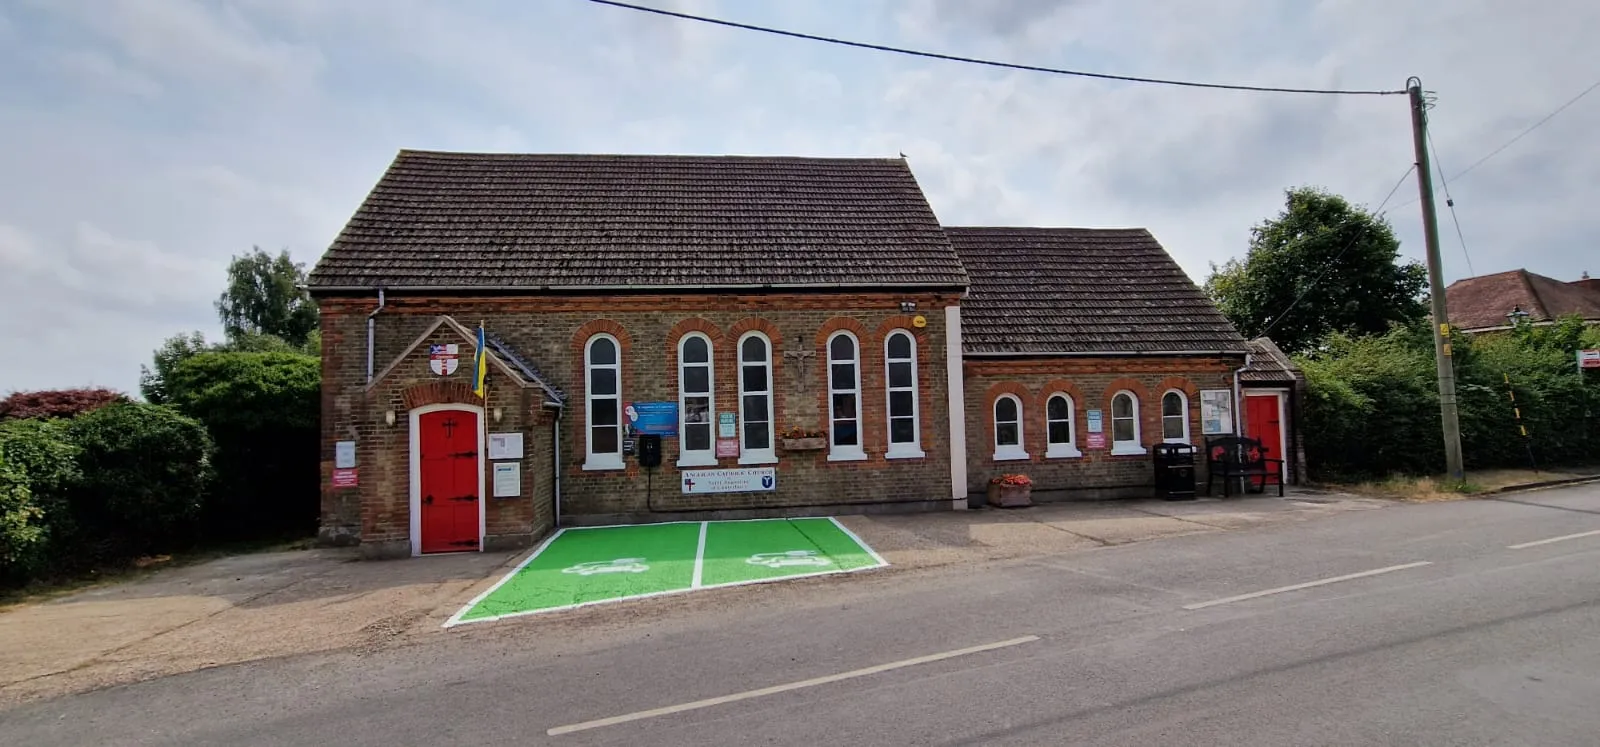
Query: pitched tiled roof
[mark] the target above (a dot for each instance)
(472, 220)
(1082, 290)
(1268, 364)
(1483, 302)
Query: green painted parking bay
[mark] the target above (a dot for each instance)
(591, 565)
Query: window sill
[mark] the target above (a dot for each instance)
(905, 453)
(1129, 451)
(762, 458)
(1184, 441)
(1064, 452)
(698, 460)
(600, 464)
(1010, 456)
(847, 456)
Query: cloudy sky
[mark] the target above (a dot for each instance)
(147, 141)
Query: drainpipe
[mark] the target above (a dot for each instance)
(1238, 399)
(371, 326)
(555, 460)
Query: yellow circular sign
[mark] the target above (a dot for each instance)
(919, 321)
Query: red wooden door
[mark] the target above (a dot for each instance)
(448, 450)
(1262, 422)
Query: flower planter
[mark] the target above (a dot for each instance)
(804, 444)
(1010, 496)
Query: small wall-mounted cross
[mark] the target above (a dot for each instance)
(799, 355)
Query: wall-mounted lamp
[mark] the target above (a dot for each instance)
(907, 307)
(497, 414)
(388, 417)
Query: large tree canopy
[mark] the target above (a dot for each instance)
(265, 297)
(1340, 261)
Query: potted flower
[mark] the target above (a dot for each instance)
(1011, 491)
(804, 439)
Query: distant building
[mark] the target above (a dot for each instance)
(1489, 302)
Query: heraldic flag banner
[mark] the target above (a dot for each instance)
(480, 367)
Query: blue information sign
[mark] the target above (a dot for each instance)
(653, 418)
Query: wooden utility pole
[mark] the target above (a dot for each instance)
(1441, 317)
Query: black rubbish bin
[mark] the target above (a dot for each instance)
(1174, 465)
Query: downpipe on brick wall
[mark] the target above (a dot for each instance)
(1238, 399)
(371, 330)
(555, 459)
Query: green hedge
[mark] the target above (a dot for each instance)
(1372, 404)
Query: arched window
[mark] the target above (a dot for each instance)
(1060, 428)
(602, 414)
(900, 374)
(1008, 428)
(1174, 417)
(844, 398)
(755, 400)
(696, 402)
(1125, 424)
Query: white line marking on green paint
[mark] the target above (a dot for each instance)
(775, 689)
(1306, 585)
(456, 618)
(1562, 538)
(859, 543)
(699, 557)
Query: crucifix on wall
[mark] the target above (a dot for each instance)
(800, 355)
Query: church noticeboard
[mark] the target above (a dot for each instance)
(1216, 411)
(507, 479)
(505, 445)
(653, 418)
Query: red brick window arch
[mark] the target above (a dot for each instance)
(844, 398)
(1060, 426)
(755, 400)
(900, 380)
(1125, 427)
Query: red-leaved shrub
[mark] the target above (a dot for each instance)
(57, 403)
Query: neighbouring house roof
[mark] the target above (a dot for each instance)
(1482, 302)
(1268, 364)
(588, 222)
(1082, 290)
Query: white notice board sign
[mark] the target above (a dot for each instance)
(1216, 411)
(507, 479)
(505, 445)
(742, 480)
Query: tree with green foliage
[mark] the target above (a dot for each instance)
(1321, 266)
(146, 469)
(38, 473)
(266, 296)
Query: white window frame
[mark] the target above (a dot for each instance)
(1120, 448)
(1183, 399)
(609, 460)
(846, 452)
(912, 449)
(1054, 449)
(1009, 452)
(706, 457)
(768, 455)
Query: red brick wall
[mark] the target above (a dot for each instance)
(551, 331)
(1091, 382)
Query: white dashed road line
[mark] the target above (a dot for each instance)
(1306, 585)
(775, 689)
(1562, 538)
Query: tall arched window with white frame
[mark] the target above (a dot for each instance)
(755, 400)
(1060, 428)
(1175, 417)
(844, 398)
(900, 377)
(1125, 424)
(602, 412)
(696, 401)
(1008, 428)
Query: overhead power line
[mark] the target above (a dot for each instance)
(990, 63)
(1360, 232)
(1531, 128)
(1450, 202)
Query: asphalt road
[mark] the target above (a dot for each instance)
(1448, 627)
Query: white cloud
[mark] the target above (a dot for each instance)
(149, 142)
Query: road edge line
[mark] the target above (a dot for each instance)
(775, 689)
(1552, 540)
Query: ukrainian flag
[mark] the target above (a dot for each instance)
(480, 365)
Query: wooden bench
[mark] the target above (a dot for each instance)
(1230, 457)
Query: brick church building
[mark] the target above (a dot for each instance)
(677, 337)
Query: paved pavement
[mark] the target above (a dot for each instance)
(1472, 622)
